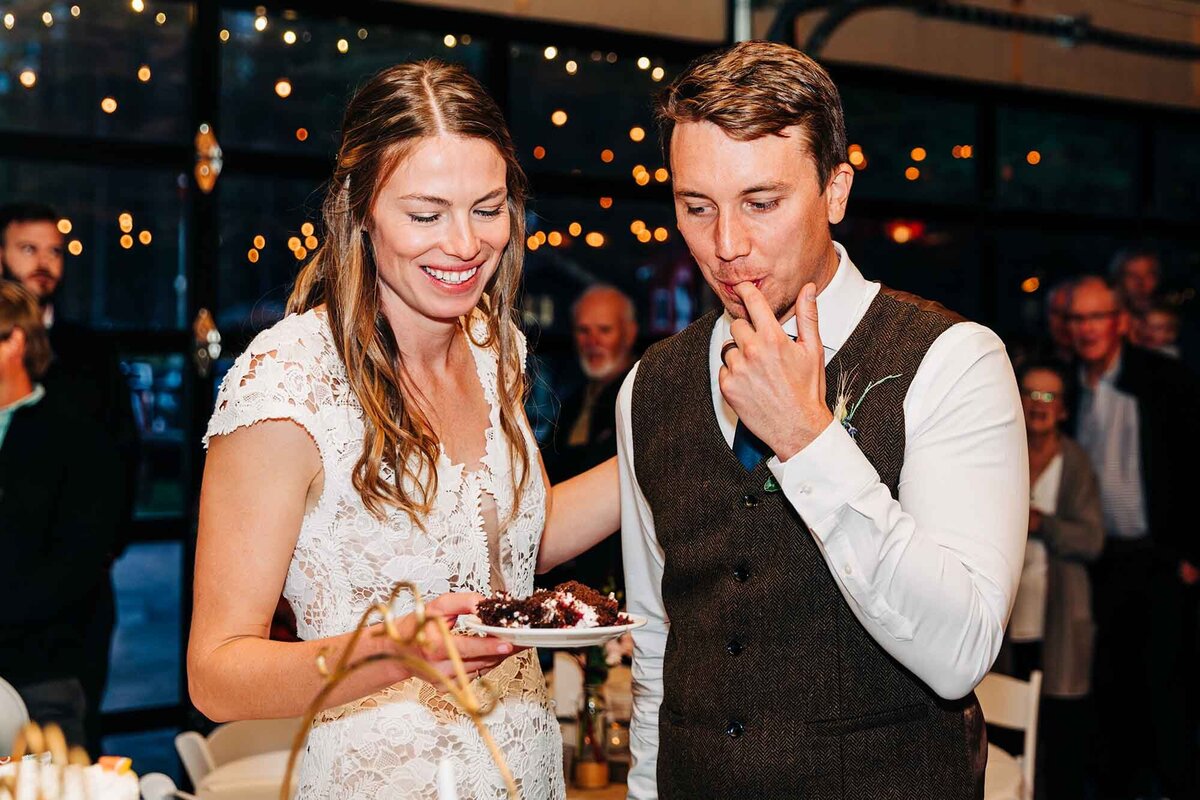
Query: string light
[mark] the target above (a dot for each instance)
(957, 151)
(75, 247)
(661, 175)
(657, 73)
(574, 229)
(145, 237)
(636, 227)
(48, 19)
(594, 239)
(637, 133)
(252, 256)
(64, 226)
(541, 237)
(144, 73)
(160, 18)
(125, 220)
(224, 35)
(283, 87)
(644, 236)
(607, 156)
(343, 46)
(260, 242)
(559, 118)
(554, 239)
(260, 23)
(293, 243)
(572, 67)
(362, 34)
(137, 5)
(301, 134)
(642, 179)
(638, 169)
(661, 234)
(289, 37)
(606, 202)
(28, 78)
(532, 243)
(450, 40)
(300, 253)
(643, 63)
(9, 21)
(539, 152)
(918, 154)
(465, 39)
(1030, 285)
(550, 53)
(611, 58)
(75, 11)
(1033, 157)
(127, 241)
(306, 229)
(311, 242)
(108, 105)
(901, 234)
(912, 173)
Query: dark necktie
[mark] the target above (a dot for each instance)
(748, 448)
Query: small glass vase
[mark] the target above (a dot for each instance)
(591, 751)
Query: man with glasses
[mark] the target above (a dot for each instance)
(1136, 418)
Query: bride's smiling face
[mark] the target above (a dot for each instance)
(439, 227)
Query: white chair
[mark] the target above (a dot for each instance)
(156, 786)
(1012, 703)
(13, 716)
(233, 740)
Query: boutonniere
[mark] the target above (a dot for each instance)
(843, 410)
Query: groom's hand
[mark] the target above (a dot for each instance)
(774, 385)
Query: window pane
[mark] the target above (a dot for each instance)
(145, 666)
(586, 112)
(910, 147)
(109, 71)
(658, 273)
(264, 240)
(156, 384)
(934, 260)
(281, 96)
(1177, 172)
(127, 226)
(1069, 162)
(1032, 261)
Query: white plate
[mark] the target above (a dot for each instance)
(552, 637)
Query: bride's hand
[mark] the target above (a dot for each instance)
(478, 653)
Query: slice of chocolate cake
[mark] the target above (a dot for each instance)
(568, 605)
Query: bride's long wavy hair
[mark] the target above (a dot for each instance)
(384, 121)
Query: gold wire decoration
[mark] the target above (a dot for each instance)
(408, 653)
(36, 740)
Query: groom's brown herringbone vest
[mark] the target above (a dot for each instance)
(772, 688)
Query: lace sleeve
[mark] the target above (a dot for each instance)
(276, 378)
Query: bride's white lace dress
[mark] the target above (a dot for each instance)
(388, 745)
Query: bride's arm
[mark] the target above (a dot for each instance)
(256, 482)
(582, 512)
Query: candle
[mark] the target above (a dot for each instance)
(445, 781)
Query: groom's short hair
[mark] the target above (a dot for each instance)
(757, 89)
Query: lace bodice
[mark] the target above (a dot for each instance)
(346, 559)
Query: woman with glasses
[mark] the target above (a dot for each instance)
(1051, 627)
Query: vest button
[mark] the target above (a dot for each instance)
(749, 501)
(734, 647)
(734, 729)
(741, 573)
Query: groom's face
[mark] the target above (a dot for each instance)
(755, 211)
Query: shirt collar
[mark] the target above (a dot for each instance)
(37, 394)
(839, 305)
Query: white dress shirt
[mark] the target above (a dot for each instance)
(931, 577)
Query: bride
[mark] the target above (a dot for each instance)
(375, 435)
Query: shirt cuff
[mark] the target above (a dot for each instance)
(824, 477)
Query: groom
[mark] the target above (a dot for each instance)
(825, 534)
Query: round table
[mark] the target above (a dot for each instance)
(252, 778)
